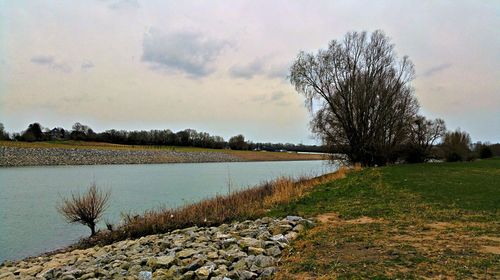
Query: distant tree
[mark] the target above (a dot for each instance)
(456, 145)
(184, 138)
(82, 132)
(483, 150)
(423, 134)
(495, 148)
(238, 143)
(218, 142)
(360, 94)
(33, 133)
(86, 209)
(3, 134)
(57, 133)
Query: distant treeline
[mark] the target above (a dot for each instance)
(187, 137)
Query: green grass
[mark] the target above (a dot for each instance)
(468, 186)
(420, 220)
(386, 192)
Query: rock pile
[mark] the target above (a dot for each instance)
(241, 250)
(15, 156)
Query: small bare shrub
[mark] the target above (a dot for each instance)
(86, 208)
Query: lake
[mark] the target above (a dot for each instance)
(30, 223)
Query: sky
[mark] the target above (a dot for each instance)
(221, 66)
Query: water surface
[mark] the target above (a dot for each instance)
(30, 224)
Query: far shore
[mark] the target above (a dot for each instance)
(94, 153)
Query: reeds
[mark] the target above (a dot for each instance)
(238, 205)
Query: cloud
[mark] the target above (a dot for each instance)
(259, 67)
(87, 65)
(49, 61)
(63, 67)
(124, 4)
(42, 59)
(278, 95)
(279, 98)
(276, 98)
(188, 52)
(247, 71)
(278, 71)
(436, 69)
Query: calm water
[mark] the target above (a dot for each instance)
(30, 224)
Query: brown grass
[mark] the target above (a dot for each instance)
(240, 205)
(274, 156)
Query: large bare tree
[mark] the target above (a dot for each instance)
(423, 135)
(360, 95)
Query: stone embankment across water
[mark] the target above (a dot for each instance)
(241, 250)
(16, 156)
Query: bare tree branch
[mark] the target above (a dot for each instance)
(86, 209)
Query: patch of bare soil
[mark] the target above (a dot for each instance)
(336, 219)
(368, 247)
(490, 249)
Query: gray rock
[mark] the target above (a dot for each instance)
(86, 276)
(187, 275)
(204, 271)
(145, 275)
(299, 228)
(280, 229)
(293, 218)
(165, 261)
(268, 272)
(194, 265)
(7, 275)
(186, 253)
(263, 261)
(273, 251)
(241, 250)
(227, 242)
(245, 275)
(279, 238)
(68, 277)
(45, 274)
(256, 251)
(292, 235)
(234, 255)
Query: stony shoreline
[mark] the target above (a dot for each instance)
(241, 250)
(17, 156)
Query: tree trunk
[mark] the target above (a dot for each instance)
(92, 229)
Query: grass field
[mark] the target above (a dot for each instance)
(244, 155)
(437, 220)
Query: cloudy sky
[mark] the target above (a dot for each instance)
(221, 66)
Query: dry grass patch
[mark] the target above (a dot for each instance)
(245, 204)
(379, 249)
(274, 156)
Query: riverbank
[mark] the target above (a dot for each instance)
(240, 250)
(226, 236)
(435, 220)
(83, 153)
